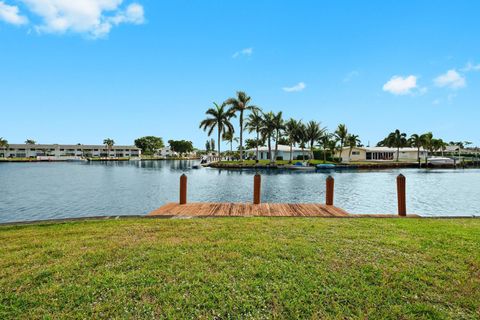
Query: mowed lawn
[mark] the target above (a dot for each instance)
(242, 268)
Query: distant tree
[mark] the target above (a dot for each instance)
(218, 118)
(278, 125)
(3, 144)
(341, 134)
(268, 130)
(395, 139)
(228, 136)
(291, 134)
(314, 132)
(416, 141)
(254, 124)
(181, 146)
(427, 143)
(212, 144)
(253, 143)
(302, 137)
(326, 141)
(109, 144)
(352, 142)
(207, 146)
(149, 144)
(240, 104)
(30, 141)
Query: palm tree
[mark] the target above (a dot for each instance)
(240, 104)
(109, 144)
(416, 141)
(268, 130)
(352, 141)
(341, 134)
(325, 141)
(279, 125)
(427, 143)
(254, 123)
(220, 119)
(332, 146)
(397, 140)
(313, 134)
(302, 138)
(291, 131)
(228, 136)
(3, 145)
(30, 141)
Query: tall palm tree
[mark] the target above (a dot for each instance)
(268, 130)
(109, 144)
(397, 140)
(240, 104)
(341, 134)
(314, 132)
(352, 141)
(3, 145)
(416, 141)
(291, 130)
(218, 118)
(254, 123)
(279, 125)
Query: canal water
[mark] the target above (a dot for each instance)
(33, 191)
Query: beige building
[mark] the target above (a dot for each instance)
(61, 151)
(380, 154)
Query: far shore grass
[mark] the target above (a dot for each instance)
(241, 268)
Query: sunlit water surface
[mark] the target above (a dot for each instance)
(33, 191)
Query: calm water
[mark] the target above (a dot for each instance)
(30, 191)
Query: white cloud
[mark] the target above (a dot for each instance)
(402, 85)
(349, 77)
(296, 88)
(436, 101)
(244, 52)
(94, 18)
(11, 14)
(471, 67)
(451, 79)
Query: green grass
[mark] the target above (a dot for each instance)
(242, 268)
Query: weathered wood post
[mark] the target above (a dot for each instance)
(183, 189)
(257, 182)
(329, 195)
(401, 195)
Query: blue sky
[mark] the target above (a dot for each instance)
(74, 72)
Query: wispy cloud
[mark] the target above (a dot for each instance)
(471, 67)
(399, 85)
(351, 75)
(296, 88)
(11, 14)
(244, 52)
(93, 18)
(451, 79)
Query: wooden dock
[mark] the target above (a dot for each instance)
(248, 210)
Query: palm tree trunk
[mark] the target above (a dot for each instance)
(269, 148)
(291, 152)
(219, 134)
(418, 157)
(398, 152)
(324, 155)
(241, 135)
(256, 144)
(276, 147)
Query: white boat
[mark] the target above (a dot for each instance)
(300, 166)
(440, 161)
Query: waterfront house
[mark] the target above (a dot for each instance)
(282, 154)
(68, 150)
(380, 154)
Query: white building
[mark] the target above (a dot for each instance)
(61, 150)
(282, 154)
(380, 154)
(167, 152)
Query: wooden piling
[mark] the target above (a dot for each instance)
(257, 183)
(401, 195)
(330, 189)
(183, 189)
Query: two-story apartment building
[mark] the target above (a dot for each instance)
(68, 150)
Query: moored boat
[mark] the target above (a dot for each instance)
(440, 161)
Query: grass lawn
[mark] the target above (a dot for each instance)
(242, 268)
